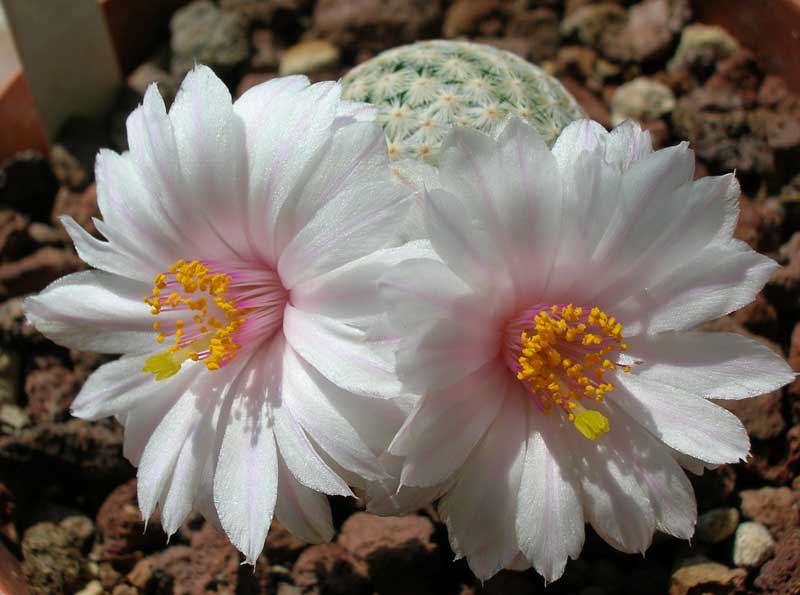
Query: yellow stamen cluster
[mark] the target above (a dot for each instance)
(564, 358)
(200, 291)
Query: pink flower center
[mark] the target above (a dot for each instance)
(210, 310)
(561, 354)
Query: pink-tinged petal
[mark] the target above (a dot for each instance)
(550, 511)
(389, 498)
(354, 157)
(480, 509)
(614, 501)
(246, 475)
(342, 353)
(209, 140)
(285, 137)
(94, 311)
(312, 401)
(187, 474)
(361, 219)
(626, 144)
(719, 280)
(166, 442)
(121, 385)
(350, 292)
(301, 457)
(303, 511)
(668, 489)
(349, 112)
(710, 365)
(134, 220)
(421, 291)
(579, 138)
(107, 256)
(154, 157)
(445, 353)
(682, 420)
(697, 215)
(644, 196)
(417, 177)
(446, 425)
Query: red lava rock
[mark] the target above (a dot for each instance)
(50, 392)
(649, 32)
(282, 547)
(760, 316)
(329, 569)
(539, 30)
(399, 551)
(27, 185)
(8, 532)
(81, 206)
(53, 564)
(375, 24)
(738, 74)
(12, 579)
(716, 124)
(35, 272)
(781, 575)
(761, 415)
(266, 52)
(172, 570)
(784, 285)
(83, 451)
(13, 325)
(471, 17)
(596, 109)
(794, 360)
(123, 530)
(15, 240)
(776, 508)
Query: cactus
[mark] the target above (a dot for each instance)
(423, 88)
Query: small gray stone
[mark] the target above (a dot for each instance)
(642, 99)
(717, 525)
(13, 418)
(701, 47)
(753, 545)
(203, 34)
(309, 56)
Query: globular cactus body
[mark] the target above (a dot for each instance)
(422, 89)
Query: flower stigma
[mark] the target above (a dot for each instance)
(208, 311)
(561, 354)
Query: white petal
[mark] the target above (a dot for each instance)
(134, 220)
(669, 490)
(627, 144)
(682, 420)
(446, 353)
(718, 281)
(361, 219)
(141, 422)
(187, 474)
(312, 401)
(350, 292)
(711, 365)
(94, 311)
(165, 445)
(303, 511)
(417, 177)
(446, 425)
(107, 256)
(301, 458)
(388, 498)
(118, 386)
(512, 187)
(578, 138)
(697, 214)
(341, 353)
(615, 503)
(550, 513)
(480, 509)
(246, 476)
(287, 125)
(209, 139)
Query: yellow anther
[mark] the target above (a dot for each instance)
(591, 424)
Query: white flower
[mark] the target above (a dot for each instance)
(242, 242)
(549, 332)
